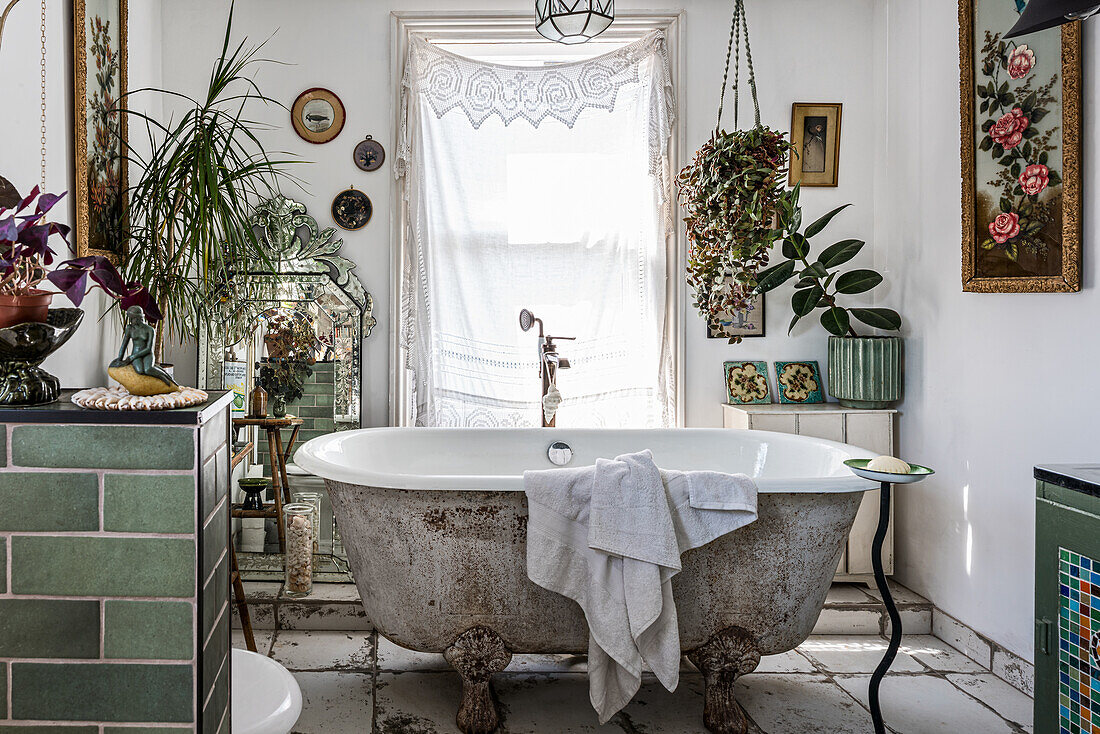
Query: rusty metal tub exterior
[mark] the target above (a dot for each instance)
(434, 521)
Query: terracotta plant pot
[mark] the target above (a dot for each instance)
(25, 309)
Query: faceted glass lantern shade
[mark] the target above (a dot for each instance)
(576, 22)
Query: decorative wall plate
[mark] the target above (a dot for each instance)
(318, 115)
(369, 154)
(351, 209)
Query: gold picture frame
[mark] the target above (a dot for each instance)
(317, 115)
(1021, 169)
(815, 143)
(100, 130)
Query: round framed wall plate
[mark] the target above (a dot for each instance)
(369, 154)
(318, 115)
(351, 209)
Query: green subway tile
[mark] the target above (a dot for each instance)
(3, 445)
(214, 709)
(4, 565)
(149, 503)
(102, 692)
(326, 401)
(4, 690)
(143, 729)
(215, 539)
(214, 654)
(150, 630)
(52, 729)
(324, 424)
(317, 388)
(48, 501)
(49, 628)
(214, 434)
(318, 412)
(68, 566)
(104, 447)
(214, 596)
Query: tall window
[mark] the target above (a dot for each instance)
(538, 184)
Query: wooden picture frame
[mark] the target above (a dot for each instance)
(1020, 106)
(815, 144)
(100, 129)
(320, 103)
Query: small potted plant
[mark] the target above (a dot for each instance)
(290, 342)
(864, 370)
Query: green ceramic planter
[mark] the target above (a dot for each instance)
(865, 371)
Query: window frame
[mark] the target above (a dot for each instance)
(516, 27)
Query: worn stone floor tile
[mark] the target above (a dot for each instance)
(416, 703)
(262, 590)
(961, 638)
(853, 654)
(302, 616)
(938, 655)
(316, 650)
(262, 637)
(395, 659)
(334, 703)
(788, 662)
(926, 704)
(262, 616)
(1010, 703)
(325, 592)
(848, 594)
(914, 621)
(848, 622)
(1014, 669)
(800, 704)
(902, 596)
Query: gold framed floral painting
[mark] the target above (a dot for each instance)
(99, 77)
(815, 144)
(1021, 175)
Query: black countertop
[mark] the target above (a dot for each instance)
(65, 411)
(1081, 477)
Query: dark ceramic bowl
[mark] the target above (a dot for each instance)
(34, 342)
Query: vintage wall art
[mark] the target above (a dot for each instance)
(352, 209)
(815, 144)
(1021, 121)
(318, 115)
(747, 322)
(99, 78)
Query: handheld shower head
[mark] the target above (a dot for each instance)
(528, 320)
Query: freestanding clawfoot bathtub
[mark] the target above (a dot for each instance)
(435, 524)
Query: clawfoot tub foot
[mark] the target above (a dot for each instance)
(476, 654)
(725, 657)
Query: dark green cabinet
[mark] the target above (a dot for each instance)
(1067, 599)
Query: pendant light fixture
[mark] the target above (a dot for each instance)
(1039, 15)
(575, 21)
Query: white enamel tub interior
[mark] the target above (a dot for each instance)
(495, 459)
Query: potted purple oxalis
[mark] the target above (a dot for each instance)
(25, 259)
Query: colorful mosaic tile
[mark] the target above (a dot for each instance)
(1078, 643)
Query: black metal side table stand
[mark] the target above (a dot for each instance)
(886, 480)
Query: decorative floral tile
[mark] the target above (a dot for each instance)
(798, 382)
(747, 383)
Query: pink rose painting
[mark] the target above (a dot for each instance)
(1020, 62)
(1004, 227)
(1034, 179)
(1009, 130)
(1018, 190)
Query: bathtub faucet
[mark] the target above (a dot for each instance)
(549, 364)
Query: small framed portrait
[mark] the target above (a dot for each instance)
(815, 144)
(749, 322)
(798, 382)
(318, 115)
(747, 383)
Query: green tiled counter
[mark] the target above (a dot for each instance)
(114, 590)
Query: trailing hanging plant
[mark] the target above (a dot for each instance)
(731, 192)
(817, 287)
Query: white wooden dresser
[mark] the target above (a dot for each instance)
(869, 429)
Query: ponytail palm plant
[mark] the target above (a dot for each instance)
(189, 210)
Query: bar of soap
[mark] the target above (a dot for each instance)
(888, 465)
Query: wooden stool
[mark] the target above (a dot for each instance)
(280, 483)
(281, 486)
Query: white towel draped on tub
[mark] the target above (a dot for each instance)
(610, 537)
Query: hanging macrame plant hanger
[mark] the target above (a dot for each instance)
(739, 26)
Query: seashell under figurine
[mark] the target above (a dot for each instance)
(145, 386)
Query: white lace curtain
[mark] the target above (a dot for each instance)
(543, 188)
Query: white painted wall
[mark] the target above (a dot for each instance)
(994, 383)
(805, 53)
(82, 362)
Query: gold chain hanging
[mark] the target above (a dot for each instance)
(43, 120)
